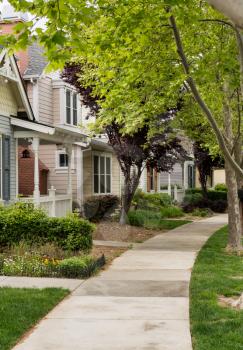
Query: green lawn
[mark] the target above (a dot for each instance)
(214, 327)
(20, 309)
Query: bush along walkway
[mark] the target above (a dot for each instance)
(140, 302)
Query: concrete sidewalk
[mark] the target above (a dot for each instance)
(140, 303)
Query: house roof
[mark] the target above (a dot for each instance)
(10, 71)
(37, 61)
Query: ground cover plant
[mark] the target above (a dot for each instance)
(216, 273)
(28, 306)
(153, 220)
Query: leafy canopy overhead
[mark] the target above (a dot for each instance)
(131, 55)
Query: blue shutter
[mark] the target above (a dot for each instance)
(6, 167)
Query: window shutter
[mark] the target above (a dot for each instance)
(6, 167)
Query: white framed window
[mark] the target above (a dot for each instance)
(102, 173)
(71, 107)
(62, 160)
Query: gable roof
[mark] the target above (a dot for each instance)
(36, 61)
(10, 71)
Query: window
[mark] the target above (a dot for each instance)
(68, 106)
(26, 153)
(152, 179)
(63, 160)
(102, 174)
(71, 108)
(191, 176)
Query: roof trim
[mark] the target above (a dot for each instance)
(19, 82)
(32, 126)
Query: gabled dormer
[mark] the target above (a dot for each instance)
(14, 100)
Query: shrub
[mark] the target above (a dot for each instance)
(220, 187)
(171, 212)
(152, 220)
(154, 201)
(217, 195)
(75, 266)
(218, 206)
(143, 217)
(201, 212)
(96, 207)
(193, 190)
(71, 232)
(23, 222)
(216, 200)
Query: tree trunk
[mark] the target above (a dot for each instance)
(130, 186)
(234, 238)
(203, 182)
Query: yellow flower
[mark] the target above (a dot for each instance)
(46, 261)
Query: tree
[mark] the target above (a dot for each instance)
(205, 164)
(134, 151)
(138, 50)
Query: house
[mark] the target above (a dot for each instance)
(93, 166)
(182, 176)
(66, 164)
(18, 127)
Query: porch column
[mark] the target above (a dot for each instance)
(35, 147)
(69, 154)
(158, 182)
(169, 184)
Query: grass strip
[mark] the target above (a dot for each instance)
(215, 273)
(20, 309)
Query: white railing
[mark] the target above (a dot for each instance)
(54, 205)
(175, 193)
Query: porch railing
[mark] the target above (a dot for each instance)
(176, 193)
(55, 205)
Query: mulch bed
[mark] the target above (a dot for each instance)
(112, 231)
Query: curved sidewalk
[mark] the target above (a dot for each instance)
(140, 303)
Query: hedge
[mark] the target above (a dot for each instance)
(23, 222)
(216, 200)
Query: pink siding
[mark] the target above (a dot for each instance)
(45, 101)
(57, 177)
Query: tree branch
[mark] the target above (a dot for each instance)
(221, 21)
(199, 99)
(232, 9)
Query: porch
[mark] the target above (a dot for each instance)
(55, 205)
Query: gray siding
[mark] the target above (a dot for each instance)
(5, 128)
(176, 176)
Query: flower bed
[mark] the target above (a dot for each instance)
(33, 265)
